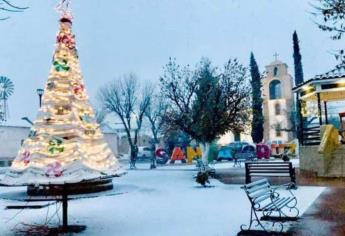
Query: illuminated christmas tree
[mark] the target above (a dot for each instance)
(65, 144)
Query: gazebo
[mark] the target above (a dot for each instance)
(320, 90)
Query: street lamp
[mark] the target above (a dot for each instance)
(27, 120)
(40, 93)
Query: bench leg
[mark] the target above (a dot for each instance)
(244, 226)
(266, 216)
(254, 218)
(293, 179)
(248, 179)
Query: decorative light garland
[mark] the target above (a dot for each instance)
(65, 132)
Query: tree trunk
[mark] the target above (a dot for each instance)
(133, 157)
(205, 152)
(155, 137)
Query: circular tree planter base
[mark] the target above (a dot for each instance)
(89, 186)
(67, 229)
(44, 230)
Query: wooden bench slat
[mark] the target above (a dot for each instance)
(268, 171)
(278, 204)
(258, 187)
(266, 207)
(268, 163)
(261, 198)
(271, 169)
(284, 203)
(261, 181)
(260, 193)
(268, 166)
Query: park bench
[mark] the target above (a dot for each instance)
(273, 207)
(239, 158)
(270, 169)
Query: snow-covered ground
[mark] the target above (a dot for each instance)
(216, 165)
(159, 202)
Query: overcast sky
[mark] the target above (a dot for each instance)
(121, 36)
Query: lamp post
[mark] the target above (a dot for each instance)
(27, 120)
(40, 93)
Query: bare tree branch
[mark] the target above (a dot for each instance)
(331, 18)
(206, 111)
(155, 114)
(100, 115)
(121, 97)
(8, 3)
(7, 6)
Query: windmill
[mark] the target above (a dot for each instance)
(6, 90)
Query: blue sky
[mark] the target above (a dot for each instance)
(115, 37)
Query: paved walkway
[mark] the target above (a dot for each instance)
(326, 216)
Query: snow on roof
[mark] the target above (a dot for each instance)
(336, 73)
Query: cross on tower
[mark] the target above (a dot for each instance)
(276, 56)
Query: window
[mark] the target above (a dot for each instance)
(277, 109)
(278, 130)
(275, 89)
(275, 71)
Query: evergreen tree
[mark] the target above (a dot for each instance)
(207, 104)
(297, 60)
(298, 80)
(258, 119)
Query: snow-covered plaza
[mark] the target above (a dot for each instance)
(165, 201)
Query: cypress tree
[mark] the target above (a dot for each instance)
(297, 60)
(298, 80)
(258, 118)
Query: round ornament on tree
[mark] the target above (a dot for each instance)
(61, 65)
(56, 145)
(25, 157)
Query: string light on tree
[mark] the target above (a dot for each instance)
(65, 144)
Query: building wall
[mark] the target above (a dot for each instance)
(275, 119)
(10, 140)
(286, 103)
(312, 162)
(230, 137)
(123, 145)
(12, 136)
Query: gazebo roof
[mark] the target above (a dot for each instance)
(336, 73)
(330, 86)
